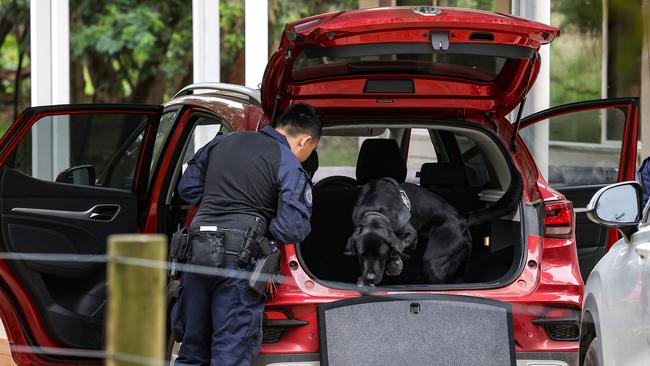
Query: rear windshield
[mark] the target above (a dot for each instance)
(346, 60)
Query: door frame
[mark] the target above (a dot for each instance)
(24, 322)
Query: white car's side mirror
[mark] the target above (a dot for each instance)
(617, 205)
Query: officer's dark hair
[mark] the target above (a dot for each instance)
(300, 118)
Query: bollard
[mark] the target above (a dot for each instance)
(135, 317)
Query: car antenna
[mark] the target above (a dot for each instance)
(513, 144)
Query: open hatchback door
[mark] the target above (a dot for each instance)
(421, 58)
(592, 144)
(70, 176)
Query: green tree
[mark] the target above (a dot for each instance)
(126, 51)
(14, 60)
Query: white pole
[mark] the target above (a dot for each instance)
(539, 96)
(206, 52)
(50, 78)
(645, 83)
(60, 83)
(206, 40)
(256, 40)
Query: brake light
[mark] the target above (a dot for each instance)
(559, 219)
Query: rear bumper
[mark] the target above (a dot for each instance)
(523, 359)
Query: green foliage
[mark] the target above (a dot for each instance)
(489, 5)
(338, 151)
(583, 16)
(286, 11)
(133, 51)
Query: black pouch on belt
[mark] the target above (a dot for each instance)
(207, 248)
(178, 252)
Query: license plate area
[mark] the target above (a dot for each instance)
(416, 330)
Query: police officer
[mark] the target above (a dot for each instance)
(234, 179)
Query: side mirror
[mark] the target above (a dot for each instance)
(618, 205)
(83, 175)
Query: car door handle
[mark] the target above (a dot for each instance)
(106, 212)
(643, 249)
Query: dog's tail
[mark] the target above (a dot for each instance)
(506, 204)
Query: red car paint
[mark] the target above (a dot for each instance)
(551, 277)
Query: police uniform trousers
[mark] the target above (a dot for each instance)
(219, 318)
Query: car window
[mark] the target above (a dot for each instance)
(337, 155)
(205, 129)
(319, 62)
(109, 144)
(584, 147)
(164, 128)
(421, 151)
(476, 165)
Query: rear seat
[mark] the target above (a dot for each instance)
(449, 181)
(331, 221)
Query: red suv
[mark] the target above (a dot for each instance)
(431, 87)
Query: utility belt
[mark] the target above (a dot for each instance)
(209, 245)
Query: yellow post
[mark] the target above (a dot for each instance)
(135, 320)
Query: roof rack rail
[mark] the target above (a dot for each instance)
(251, 94)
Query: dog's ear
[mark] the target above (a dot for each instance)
(396, 244)
(409, 237)
(404, 242)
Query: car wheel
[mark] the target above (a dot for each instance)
(592, 357)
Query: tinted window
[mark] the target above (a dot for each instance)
(421, 151)
(205, 129)
(584, 147)
(373, 58)
(164, 128)
(109, 143)
(337, 155)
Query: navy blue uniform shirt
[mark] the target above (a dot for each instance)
(245, 174)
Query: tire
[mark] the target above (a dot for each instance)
(593, 355)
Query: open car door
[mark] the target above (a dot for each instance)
(69, 176)
(592, 144)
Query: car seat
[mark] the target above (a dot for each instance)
(380, 158)
(449, 181)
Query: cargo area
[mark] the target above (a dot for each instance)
(466, 165)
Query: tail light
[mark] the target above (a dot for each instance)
(559, 219)
(561, 324)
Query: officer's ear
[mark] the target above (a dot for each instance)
(305, 141)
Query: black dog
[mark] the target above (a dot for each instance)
(389, 218)
(383, 234)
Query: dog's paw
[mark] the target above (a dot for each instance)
(360, 282)
(394, 266)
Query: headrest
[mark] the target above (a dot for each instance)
(379, 158)
(311, 164)
(442, 174)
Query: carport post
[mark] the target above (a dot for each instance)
(645, 82)
(256, 40)
(50, 78)
(539, 96)
(135, 320)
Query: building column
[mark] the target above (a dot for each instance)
(539, 96)
(50, 78)
(256, 40)
(205, 41)
(645, 83)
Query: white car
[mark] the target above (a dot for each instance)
(615, 327)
